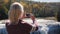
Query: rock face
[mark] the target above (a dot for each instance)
(3, 29)
(54, 29)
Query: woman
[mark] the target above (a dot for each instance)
(16, 24)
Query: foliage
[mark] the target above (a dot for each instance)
(37, 8)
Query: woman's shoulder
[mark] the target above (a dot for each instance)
(25, 23)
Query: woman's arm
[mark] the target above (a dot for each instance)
(33, 18)
(34, 25)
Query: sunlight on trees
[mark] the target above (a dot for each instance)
(6, 1)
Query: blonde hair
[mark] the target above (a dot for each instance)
(16, 9)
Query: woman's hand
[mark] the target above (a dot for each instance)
(32, 17)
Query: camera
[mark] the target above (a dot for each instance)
(28, 15)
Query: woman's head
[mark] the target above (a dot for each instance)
(16, 11)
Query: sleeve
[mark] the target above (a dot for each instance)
(31, 27)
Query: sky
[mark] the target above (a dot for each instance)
(45, 0)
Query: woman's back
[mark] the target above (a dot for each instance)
(20, 28)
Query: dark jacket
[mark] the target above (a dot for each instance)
(20, 28)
